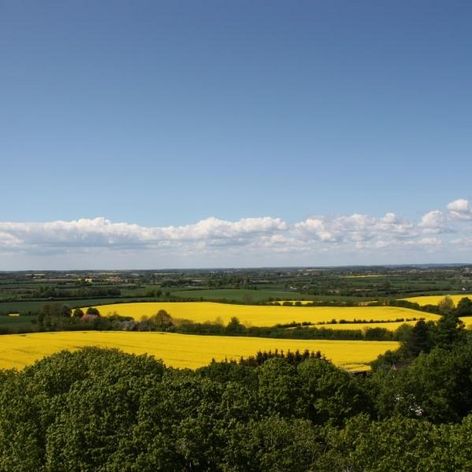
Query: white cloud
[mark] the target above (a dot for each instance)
(434, 221)
(8, 240)
(253, 240)
(101, 232)
(214, 228)
(315, 228)
(460, 209)
(357, 228)
(429, 242)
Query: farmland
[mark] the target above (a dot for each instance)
(27, 291)
(22, 323)
(178, 350)
(350, 334)
(248, 315)
(389, 325)
(435, 299)
(238, 295)
(197, 296)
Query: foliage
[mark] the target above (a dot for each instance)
(464, 307)
(103, 410)
(423, 337)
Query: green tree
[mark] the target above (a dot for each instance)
(397, 444)
(92, 311)
(279, 388)
(162, 319)
(272, 444)
(330, 394)
(420, 339)
(436, 386)
(446, 306)
(234, 326)
(449, 331)
(77, 313)
(464, 307)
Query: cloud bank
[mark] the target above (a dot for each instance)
(345, 239)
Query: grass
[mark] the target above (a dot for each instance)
(25, 307)
(180, 350)
(248, 315)
(20, 323)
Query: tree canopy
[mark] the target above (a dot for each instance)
(103, 410)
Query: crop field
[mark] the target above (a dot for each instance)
(435, 299)
(25, 307)
(390, 325)
(258, 315)
(318, 299)
(180, 350)
(292, 300)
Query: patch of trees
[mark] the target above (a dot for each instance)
(448, 331)
(293, 358)
(81, 292)
(464, 307)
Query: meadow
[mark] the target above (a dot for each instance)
(262, 315)
(180, 350)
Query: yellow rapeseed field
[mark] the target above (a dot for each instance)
(391, 326)
(180, 350)
(435, 299)
(261, 315)
(467, 320)
(302, 302)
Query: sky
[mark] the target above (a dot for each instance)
(242, 133)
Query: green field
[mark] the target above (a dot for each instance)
(26, 307)
(239, 295)
(236, 295)
(14, 324)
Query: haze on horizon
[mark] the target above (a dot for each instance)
(234, 134)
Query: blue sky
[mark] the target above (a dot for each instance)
(169, 114)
